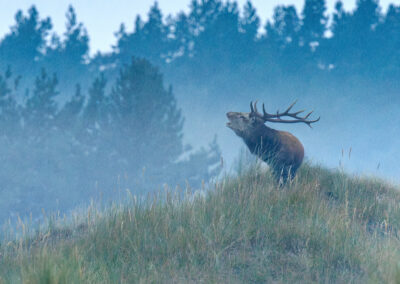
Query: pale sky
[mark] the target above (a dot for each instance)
(102, 18)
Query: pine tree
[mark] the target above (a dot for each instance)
(216, 24)
(282, 42)
(9, 112)
(145, 116)
(149, 39)
(203, 13)
(41, 108)
(389, 40)
(76, 44)
(182, 37)
(146, 127)
(22, 47)
(249, 26)
(250, 22)
(366, 16)
(96, 109)
(355, 42)
(340, 20)
(285, 27)
(68, 117)
(314, 21)
(66, 57)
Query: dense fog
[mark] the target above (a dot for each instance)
(152, 111)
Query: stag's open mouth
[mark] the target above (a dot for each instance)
(229, 123)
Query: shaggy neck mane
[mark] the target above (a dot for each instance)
(263, 137)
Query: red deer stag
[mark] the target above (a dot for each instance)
(282, 151)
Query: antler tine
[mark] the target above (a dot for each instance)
(298, 112)
(290, 107)
(255, 106)
(312, 121)
(277, 117)
(264, 112)
(308, 114)
(251, 106)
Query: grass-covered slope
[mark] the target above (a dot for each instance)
(324, 227)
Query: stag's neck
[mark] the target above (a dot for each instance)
(262, 139)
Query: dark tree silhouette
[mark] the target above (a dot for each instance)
(250, 22)
(149, 39)
(286, 26)
(24, 45)
(95, 109)
(41, 107)
(142, 110)
(180, 46)
(389, 38)
(314, 22)
(9, 111)
(354, 43)
(66, 57)
(68, 116)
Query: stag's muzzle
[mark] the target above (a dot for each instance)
(230, 115)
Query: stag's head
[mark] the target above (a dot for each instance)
(245, 122)
(242, 122)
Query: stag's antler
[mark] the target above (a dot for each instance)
(276, 117)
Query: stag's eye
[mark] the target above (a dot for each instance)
(252, 120)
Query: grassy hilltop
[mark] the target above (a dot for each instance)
(324, 227)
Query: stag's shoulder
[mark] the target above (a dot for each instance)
(291, 146)
(290, 140)
(287, 136)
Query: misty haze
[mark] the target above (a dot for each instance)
(149, 116)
